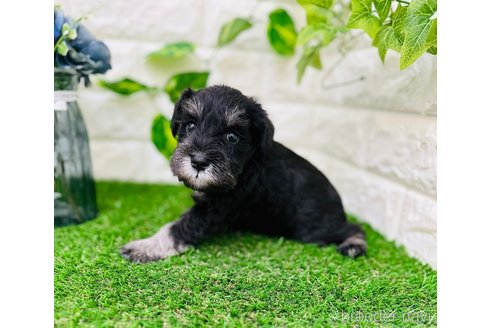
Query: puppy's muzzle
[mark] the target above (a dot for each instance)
(198, 161)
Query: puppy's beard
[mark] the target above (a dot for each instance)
(215, 178)
(198, 180)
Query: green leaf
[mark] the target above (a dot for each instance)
(398, 22)
(125, 86)
(232, 29)
(386, 39)
(310, 57)
(173, 50)
(62, 48)
(317, 34)
(432, 50)
(363, 18)
(383, 8)
(320, 3)
(162, 136)
(417, 28)
(432, 38)
(317, 11)
(316, 62)
(282, 32)
(178, 83)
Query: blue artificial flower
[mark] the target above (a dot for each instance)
(99, 53)
(95, 49)
(86, 54)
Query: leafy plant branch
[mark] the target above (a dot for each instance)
(407, 27)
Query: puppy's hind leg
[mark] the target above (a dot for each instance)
(354, 243)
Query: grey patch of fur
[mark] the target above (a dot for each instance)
(352, 252)
(233, 116)
(199, 194)
(193, 106)
(354, 245)
(157, 247)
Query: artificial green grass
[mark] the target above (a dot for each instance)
(234, 280)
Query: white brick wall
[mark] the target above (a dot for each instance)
(376, 139)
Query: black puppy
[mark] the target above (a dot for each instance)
(244, 180)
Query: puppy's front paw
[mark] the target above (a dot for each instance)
(140, 251)
(155, 248)
(353, 246)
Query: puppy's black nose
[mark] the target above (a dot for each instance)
(198, 161)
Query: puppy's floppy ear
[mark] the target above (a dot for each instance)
(262, 128)
(187, 94)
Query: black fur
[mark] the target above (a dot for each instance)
(256, 184)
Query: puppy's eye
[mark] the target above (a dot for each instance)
(232, 138)
(190, 127)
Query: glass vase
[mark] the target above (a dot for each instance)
(75, 192)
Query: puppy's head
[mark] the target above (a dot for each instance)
(218, 130)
